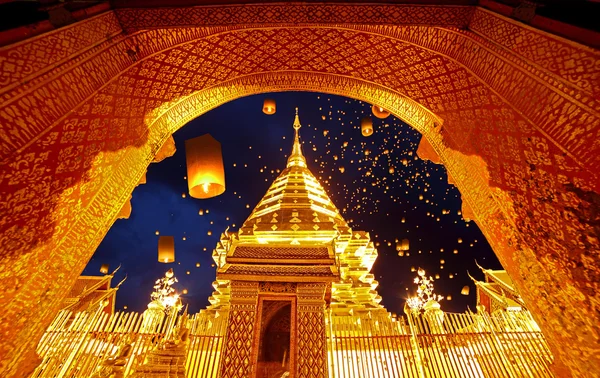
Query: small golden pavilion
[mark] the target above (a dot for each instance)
(294, 297)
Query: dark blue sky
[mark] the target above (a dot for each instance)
(366, 193)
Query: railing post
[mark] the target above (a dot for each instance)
(415, 343)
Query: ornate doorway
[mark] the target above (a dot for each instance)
(275, 355)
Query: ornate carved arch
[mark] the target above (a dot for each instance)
(517, 113)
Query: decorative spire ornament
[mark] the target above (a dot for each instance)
(164, 295)
(426, 298)
(296, 157)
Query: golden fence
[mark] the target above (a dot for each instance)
(440, 345)
(437, 345)
(89, 344)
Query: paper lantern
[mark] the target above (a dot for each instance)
(206, 175)
(185, 291)
(380, 112)
(366, 126)
(465, 290)
(403, 245)
(269, 106)
(104, 269)
(166, 249)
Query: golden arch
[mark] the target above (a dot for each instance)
(81, 147)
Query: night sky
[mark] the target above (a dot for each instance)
(370, 196)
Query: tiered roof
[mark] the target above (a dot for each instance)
(296, 234)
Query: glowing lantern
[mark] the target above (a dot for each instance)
(449, 298)
(403, 220)
(184, 291)
(366, 126)
(104, 269)
(465, 290)
(391, 170)
(380, 112)
(342, 169)
(206, 176)
(269, 107)
(197, 265)
(459, 240)
(166, 249)
(403, 245)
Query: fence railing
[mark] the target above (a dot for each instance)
(440, 345)
(84, 344)
(89, 344)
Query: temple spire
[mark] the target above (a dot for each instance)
(296, 158)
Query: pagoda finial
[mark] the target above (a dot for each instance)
(296, 158)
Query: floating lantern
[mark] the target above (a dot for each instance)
(104, 269)
(403, 245)
(269, 106)
(184, 291)
(166, 249)
(380, 112)
(366, 126)
(449, 298)
(391, 170)
(459, 240)
(197, 265)
(206, 176)
(465, 290)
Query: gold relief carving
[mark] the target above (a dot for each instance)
(277, 287)
(238, 346)
(312, 349)
(298, 14)
(35, 55)
(572, 62)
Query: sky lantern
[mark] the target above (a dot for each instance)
(366, 126)
(403, 245)
(206, 175)
(166, 249)
(465, 290)
(380, 112)
(104, 269)
(269, 106)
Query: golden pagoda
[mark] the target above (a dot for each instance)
(294, 259)
(294, 298)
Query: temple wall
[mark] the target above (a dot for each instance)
(512, 113)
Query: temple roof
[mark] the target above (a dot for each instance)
(296, 234)
(296, 209)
